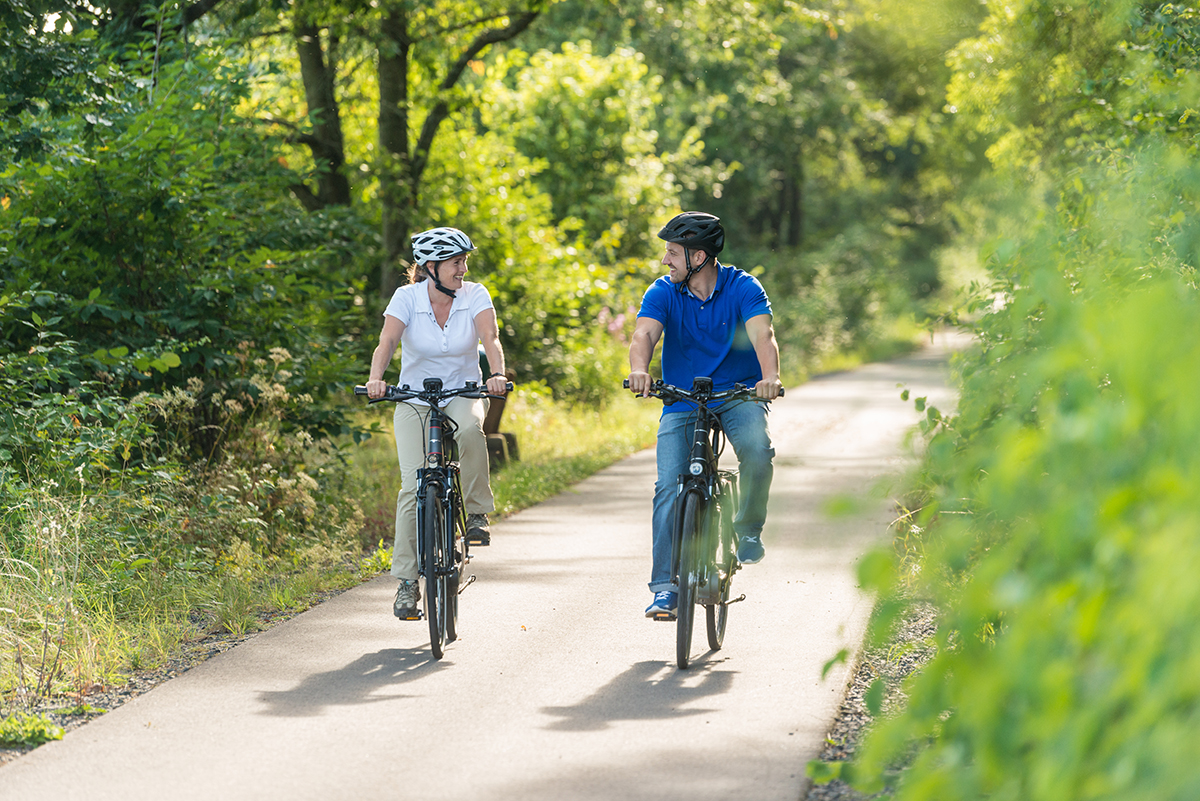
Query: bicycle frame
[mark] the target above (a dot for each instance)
(441, 478)
(704, 477)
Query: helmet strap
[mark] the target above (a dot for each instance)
(436, 283)
(691, 270)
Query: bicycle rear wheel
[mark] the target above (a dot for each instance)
(726, 562)
(436, 607)
(689, 577)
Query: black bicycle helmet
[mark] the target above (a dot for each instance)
(694, 230)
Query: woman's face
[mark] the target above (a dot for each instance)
(451, 271)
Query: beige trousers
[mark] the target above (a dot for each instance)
(411, 425)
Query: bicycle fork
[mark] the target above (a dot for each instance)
(437, 481)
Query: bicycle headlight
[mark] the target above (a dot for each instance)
(696, 468)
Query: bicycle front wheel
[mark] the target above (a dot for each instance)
(455, 550)
(436, 611)
(689, 577)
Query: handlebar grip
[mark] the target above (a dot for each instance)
(781, 392)
(625, 384)
(508, 387)
(360, 390)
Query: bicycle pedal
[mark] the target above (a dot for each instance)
(418, 616)
(665, 617)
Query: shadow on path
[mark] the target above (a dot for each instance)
(359, 682)
(647, 691)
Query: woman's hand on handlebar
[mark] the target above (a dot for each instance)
(497, 385)
(376, 388)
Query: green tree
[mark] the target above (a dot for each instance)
(591, 125)
(424, 54)
(160, 223)
(44, 72)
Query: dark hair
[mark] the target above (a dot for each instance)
(417, 273)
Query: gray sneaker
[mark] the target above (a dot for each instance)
(477, 530)
(750, 550)
(408, 594)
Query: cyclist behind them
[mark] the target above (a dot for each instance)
(715, 322)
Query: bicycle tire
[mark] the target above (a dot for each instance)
(689, 577)
(435, 579)
(717, 615)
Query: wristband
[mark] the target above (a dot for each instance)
(495, 375)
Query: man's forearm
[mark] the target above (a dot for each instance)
(639, 354)
(767, 350)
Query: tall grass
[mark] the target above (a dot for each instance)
(103, 576)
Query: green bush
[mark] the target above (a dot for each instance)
(155, 230)
(1059, 534)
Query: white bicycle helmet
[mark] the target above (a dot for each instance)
(439, 244)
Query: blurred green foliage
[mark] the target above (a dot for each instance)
(1057, 521)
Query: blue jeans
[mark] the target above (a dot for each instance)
(745, 426)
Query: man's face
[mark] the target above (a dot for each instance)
(675, 259)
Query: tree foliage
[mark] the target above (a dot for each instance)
(157, 223)
(190, 187)
(1060, 512)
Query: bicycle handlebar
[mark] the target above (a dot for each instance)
(670, 394)
(431, 396)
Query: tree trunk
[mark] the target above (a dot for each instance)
(397, 182)
(403, 161)
(326, 143)
(795, 201)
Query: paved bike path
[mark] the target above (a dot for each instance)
(558, 687)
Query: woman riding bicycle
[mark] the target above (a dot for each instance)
(441, 321)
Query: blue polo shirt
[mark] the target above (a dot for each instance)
(707, 338)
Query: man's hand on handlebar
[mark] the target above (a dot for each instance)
(640, 382)
(497, 385)
(769, 389)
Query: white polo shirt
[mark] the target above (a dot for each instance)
(427, 350)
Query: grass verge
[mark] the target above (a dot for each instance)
(90, 609)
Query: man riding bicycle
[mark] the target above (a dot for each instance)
(714, 321)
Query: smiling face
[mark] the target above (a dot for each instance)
(675, 258)
(451, 271)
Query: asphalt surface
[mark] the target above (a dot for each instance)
(558, 687)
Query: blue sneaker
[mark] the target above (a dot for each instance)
(664, 605)
(750, 550)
